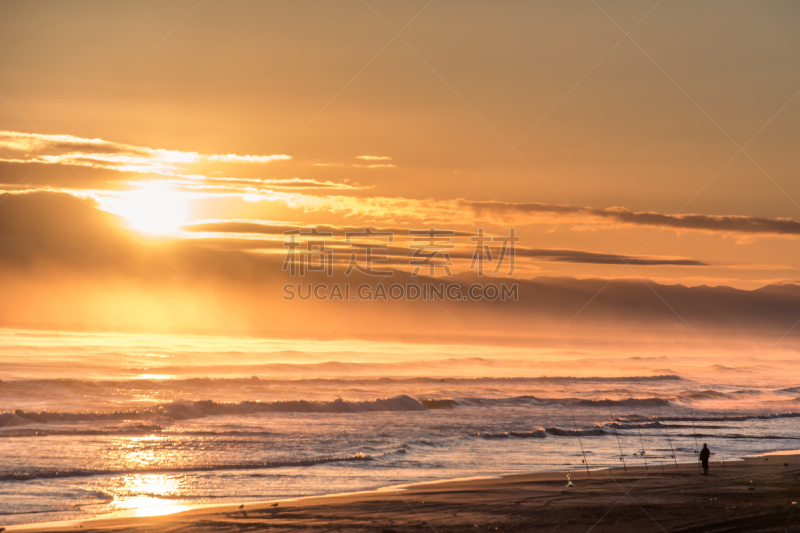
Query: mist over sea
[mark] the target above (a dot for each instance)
(157, 442)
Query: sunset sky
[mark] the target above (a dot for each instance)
(152, 154)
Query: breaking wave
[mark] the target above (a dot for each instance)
(542, 433)
(199, 409)
(630, 402)
(88, 472)
(658, 425)
(439, 404)
(594, 432)
(183, 384)
(154, 418)
(536, 434)
(724, 418)
(183, 410)
(523, 401)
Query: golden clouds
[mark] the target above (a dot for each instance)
(189, 170)
(17, 147)
(620, 216)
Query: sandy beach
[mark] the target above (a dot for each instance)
(759, 494)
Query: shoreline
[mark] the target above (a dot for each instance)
(765, 489)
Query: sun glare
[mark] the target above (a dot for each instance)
(156, 209)
(149, 495)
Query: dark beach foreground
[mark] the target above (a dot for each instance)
(758, 494)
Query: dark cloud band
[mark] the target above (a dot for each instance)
(620, 215)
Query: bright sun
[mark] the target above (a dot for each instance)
(155, 208)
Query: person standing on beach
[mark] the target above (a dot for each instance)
(705, 453)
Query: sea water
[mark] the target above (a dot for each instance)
(75, 448)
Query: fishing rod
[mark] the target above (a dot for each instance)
(641, 441)
(579, 441)
(691, 407)
(669, 439)
(616, 432)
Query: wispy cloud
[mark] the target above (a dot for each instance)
(190, 170)
(271, 230)
(595, 258)
(278, 228)
(382, 210)
(384, 158)
(18, 147)
(371, 161)
(738, 224)
(204, 174)
(244, 185)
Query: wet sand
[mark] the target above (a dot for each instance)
(756, 495)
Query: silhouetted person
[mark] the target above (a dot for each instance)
(705, 453)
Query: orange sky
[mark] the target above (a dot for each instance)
(152, 154)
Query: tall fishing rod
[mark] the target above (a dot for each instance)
(641, 441)
(580, 441)
(616, 432)
(669, 439)
(691, 407)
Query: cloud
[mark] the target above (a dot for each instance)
(619, 215)
(189, 170)
(595, 258)
(496, 213)
(18, 147)
(367, 158)
(383, 210)
(277, 229)
(240, 185)
(64, 261)
(506, 213)
(68, 233)
(375, 158)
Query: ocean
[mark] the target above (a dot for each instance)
(75, 447)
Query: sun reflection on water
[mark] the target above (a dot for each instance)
(141, 452)
(154, 376)
(149, 495)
